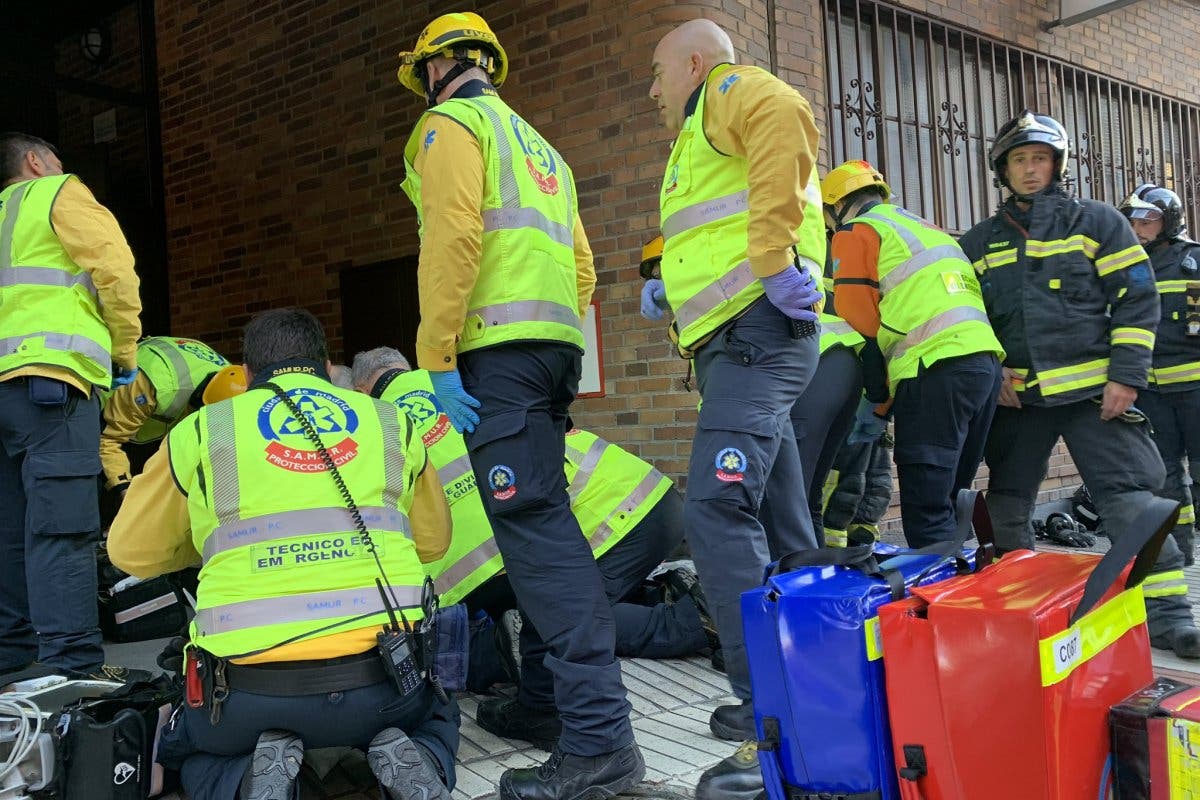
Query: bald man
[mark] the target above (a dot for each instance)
(744, 241)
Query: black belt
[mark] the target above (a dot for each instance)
(296, 678)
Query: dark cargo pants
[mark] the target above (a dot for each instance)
(1175, 422)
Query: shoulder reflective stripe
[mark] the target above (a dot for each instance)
(1169, 287)
(66, 343)
(300, 608)
(1138, 336)
(12, 210)
(702, 213)
(947, 319)
(1180, 373)
(304, 522)
(510, 194)
(527, 311)
(587, 467)
(910, 239)
(496, 219)
(1120, 260)
(455, 469)
(183, 374)
(481, 554)
(913, 265)
(874, 639)
(714, 294)
(1187, 515)
(225, 492)
(1062, 653)
(46, 276)
(1055, 247)
(393, 460)
(1076, 376)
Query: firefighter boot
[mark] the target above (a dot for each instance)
(1183, 639)
(734, 778)
(569, 777)
(405, 770)
(733, 723)
(274, 767)
(508, 718)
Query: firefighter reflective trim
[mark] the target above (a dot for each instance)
(455, 469)
(1076, 376)
(510, 219)
(920, 260)
(1171, 287)
(635, 498)
(587, 466)
(67, 343)
(183, 375)
(472, 560)
(1165, 584)
(226, 494)
(999, 258)
(717, 292)
(1180, 373)
(1096, 631)
(1020, 379)
(1120, 260)
(307, 607)
(874, 639)
(526, 311)
(304, 522)
(1138, 336)
(46, 276)
(947, 319)
(836, 538)
(693, 216)
(1187, 515)
(1057, 247)
(393, 465)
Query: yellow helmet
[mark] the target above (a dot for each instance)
(651, 256)
(224, 384)
(850, 177)
(451, 35)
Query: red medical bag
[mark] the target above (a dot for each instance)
(1156, 742)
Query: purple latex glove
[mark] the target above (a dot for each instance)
(793, 292)
(654, 299)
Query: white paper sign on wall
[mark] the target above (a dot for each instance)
(591, 383)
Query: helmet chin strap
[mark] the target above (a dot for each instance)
(432, 92)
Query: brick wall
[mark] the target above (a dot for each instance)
(283, 132)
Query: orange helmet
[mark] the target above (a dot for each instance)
(224, 384)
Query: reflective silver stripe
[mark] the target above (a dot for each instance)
(183, 374)
(67, 343)
(917, 262)
(527, 311)
(910, 239)
(474, 559)
(12, 210)
(693, 216)
(587, 466)
(46, 276)
(839, 328)
(510, 193)
(455, 469)
(226, 492)
(643, 490)
(1082, 377)
(304, 522)
(947, 319)
(714, 294)
(498, 219)
(142, 609)
(300, 608)
(393, 462)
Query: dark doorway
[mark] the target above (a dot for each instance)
(379, 307)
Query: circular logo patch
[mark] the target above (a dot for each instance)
(288, 447)
(503, 482)
(201, 351)
(425, 412)
(731, 465)
(540, 158)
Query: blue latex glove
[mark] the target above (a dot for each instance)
(122, 376)
(459, 405)
(793, 292)
(654, 299)
(868, 426)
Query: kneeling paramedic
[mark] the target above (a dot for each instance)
(293, 645)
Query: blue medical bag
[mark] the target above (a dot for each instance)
(816, 668)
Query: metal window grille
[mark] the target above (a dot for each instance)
(922, 101)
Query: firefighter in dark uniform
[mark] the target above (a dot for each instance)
(1071, 296)
(1172, 402)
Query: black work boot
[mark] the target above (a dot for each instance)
(403, 769)
(274, 767)
(733, 723)
(509, 719)
(568, 777)
(1184, 639)
(734, 778)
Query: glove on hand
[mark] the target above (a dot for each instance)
(459, 405)
(793, 292)
(654, 299)
(868, 426)
(122, 376)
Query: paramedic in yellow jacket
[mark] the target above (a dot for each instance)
(69, 327)
(287, 610)
(504, 277)
(744, 246)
